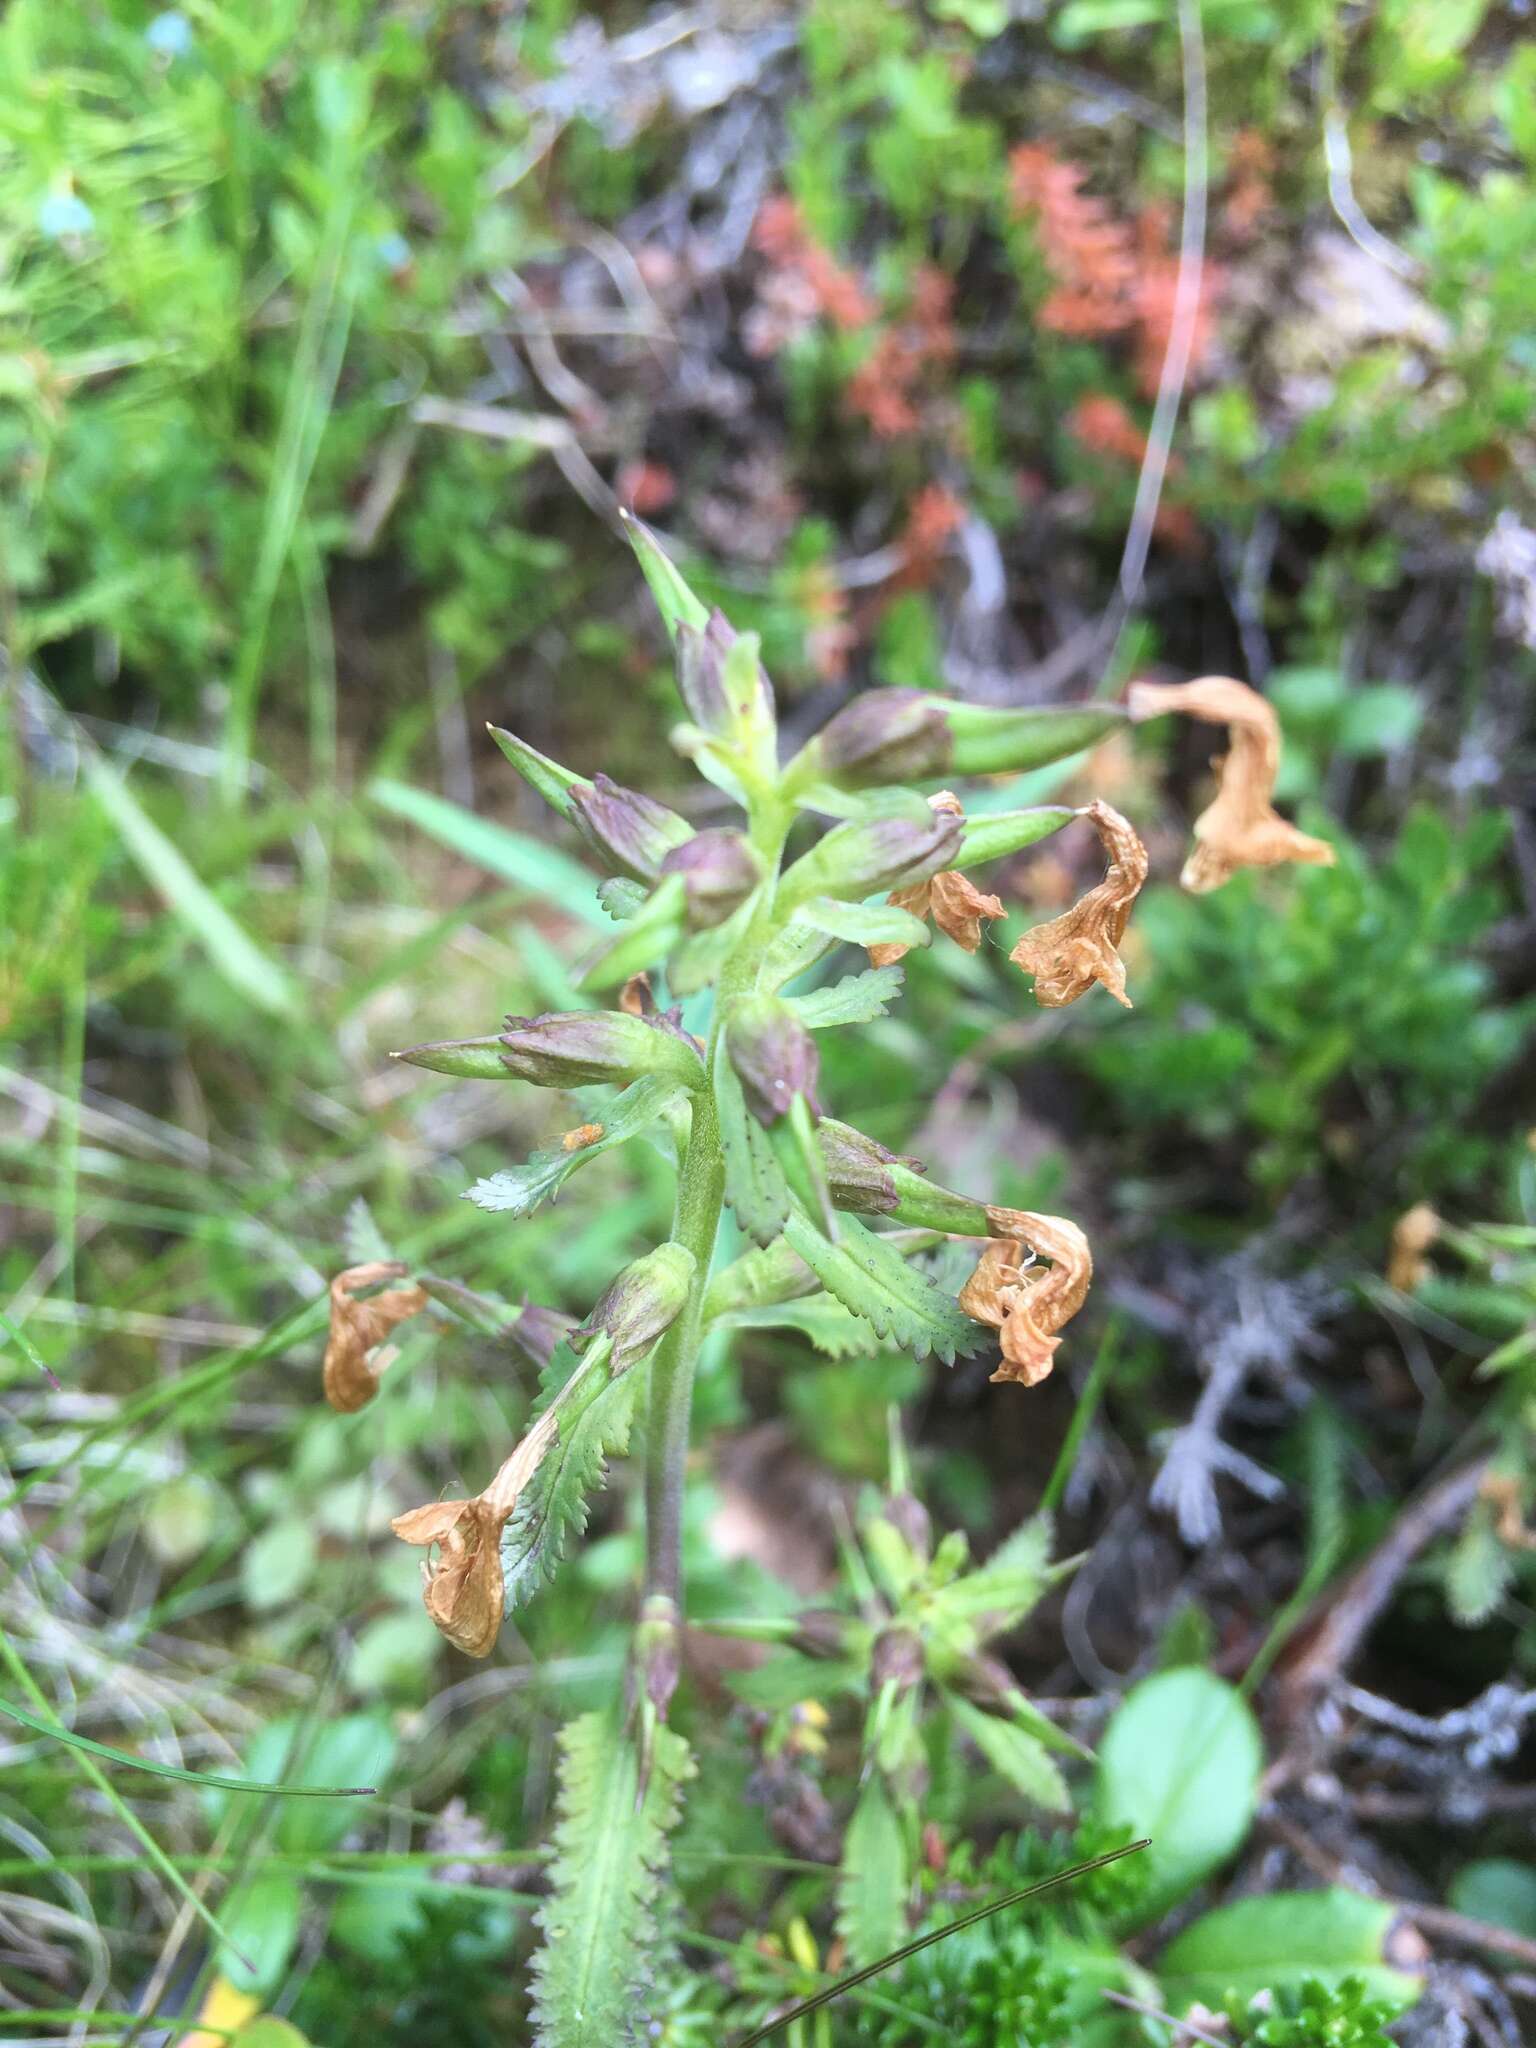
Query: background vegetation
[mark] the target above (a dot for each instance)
(334, 336)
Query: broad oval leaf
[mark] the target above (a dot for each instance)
(1277, 1943)
(1180, 1762)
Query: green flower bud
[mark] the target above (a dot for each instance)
(994, 741)
(571, 1047)
(893, 736)
(719, 871)
(870, 854)
(633, 832)
(774, 1055)
(466, 1059)
(641, 1305)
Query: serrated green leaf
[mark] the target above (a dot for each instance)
(620, 898)
(873, 1882)
(864, 924)
(593, 1973)
(1004, 1589)
(643, 941)
(856, 999)
(553, 1508)
(519, 1190)
(834, 1330)
(1277, 1943)
(873, 1280)
(791, 952)
(1479, 1569)
(755, 1185)
(1016, 1754)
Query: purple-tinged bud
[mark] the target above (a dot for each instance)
(857, 1169)
(775, 1057)
(658, 1652)
(864, 1177)
(885, 736)
(823, 1632)
(641, 1305)
(571, 1047)
(719, 871)
(538, 1333)
(910, 1519)
(897, 1659)
(632, 831)
(870, 854)
(722, 690)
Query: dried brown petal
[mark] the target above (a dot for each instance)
(1240, 828)
(1412, 1235)
(1505, 1496)
(635, 998)
(358, 1328)
(956, 905)
(463, 1589)
(1028, 1305)
(1072, 952)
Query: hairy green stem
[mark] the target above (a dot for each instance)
(696, 1224)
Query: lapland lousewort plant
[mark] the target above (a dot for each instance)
(743, 1111)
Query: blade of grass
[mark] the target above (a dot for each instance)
(90, 1769)
(59, 1733)
(912, 1948)
(236, 955)
(515, 856)
(28, 1349)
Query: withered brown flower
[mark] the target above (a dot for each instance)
(1240, 828)
(955, 904)
(1414, 1232)
(1028, 1305)
(1072, 952)
(463, 1588)
(355, 1353)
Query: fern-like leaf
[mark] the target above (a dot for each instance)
(835, 1331)
(553, 1509)
(870, 1278)
(601, 1936)
(519, 1190)
(755, 1185)
(873, 1882)
(856, 999)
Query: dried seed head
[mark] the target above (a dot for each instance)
(1028, 1305)
(1240, 828)
(774, 1055)
(631, 831)
(719, 871)
(1072, 952)
(356, 1354)
(463, 1588)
